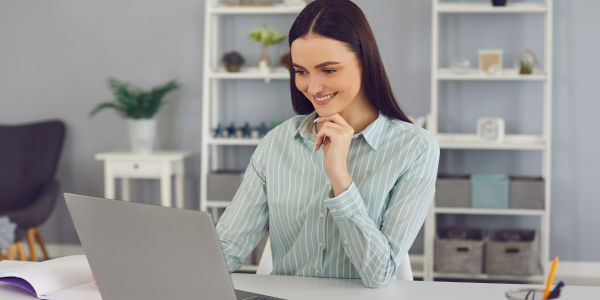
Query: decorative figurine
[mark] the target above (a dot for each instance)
(246, 130)
(231, 130)
(262, 129)
(219, 131)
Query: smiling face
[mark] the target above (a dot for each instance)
(328, 73)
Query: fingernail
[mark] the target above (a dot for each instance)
(316, 120)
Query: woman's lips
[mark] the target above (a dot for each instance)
(324, 100)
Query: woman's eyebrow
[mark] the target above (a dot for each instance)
(323, 64)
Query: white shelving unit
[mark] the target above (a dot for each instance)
(511, 142)
(214, 74)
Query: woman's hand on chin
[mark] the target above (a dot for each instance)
(334, 137)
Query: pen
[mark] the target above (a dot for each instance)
(550, 277)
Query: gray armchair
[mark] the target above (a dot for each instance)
(29, 156)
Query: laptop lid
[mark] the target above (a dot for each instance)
(141, 251)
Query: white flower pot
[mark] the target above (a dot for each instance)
(264, 64)
(142, 135)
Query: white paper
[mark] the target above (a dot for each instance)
(87, 291)
(53, 275)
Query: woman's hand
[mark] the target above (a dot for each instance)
(335, 136)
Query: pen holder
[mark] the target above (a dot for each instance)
(525, 294)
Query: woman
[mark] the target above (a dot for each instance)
(345, 186)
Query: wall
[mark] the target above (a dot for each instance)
(55, 57)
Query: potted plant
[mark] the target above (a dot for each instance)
(266, 36)
(140, 107)
(233, 61)
(527, 63)
(525, 67)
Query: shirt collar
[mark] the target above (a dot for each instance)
(371, 134)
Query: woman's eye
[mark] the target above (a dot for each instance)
(299, 72)
(328, 71)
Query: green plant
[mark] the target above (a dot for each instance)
(525, 67)
(134, 102)
(266, 36)
(528, 62)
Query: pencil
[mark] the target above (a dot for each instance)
(550, 277)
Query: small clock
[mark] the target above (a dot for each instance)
(490, 129)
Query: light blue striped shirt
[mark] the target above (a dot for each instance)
(363, 232)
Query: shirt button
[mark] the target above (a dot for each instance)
(317, 270)
(321, 244)
(321, 215)
(345, 242)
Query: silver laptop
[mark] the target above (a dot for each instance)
(140, 251)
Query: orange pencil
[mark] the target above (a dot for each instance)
(550, 277)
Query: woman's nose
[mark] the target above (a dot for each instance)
(315, 88)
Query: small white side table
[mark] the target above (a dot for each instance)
(156, 165)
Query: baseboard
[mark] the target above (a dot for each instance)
(579, 273)
(59, 250)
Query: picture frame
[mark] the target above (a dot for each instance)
(490, 61)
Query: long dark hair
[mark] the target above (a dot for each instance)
(344, 21)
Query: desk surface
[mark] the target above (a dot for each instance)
(294, 287)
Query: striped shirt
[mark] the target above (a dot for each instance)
(363, 232)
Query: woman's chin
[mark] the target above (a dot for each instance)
(326, 112)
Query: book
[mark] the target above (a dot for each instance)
(63, 278)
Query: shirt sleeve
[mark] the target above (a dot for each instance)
(376, 252)
(244, 221)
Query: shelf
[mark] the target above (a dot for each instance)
(533, 278)
(472, 141)
(489, 211)
(487, 8)
(253, 73)
(476, 74)
(234, 141)
(277, 9)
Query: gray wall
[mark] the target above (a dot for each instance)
(56, 55)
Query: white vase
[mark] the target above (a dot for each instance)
(142, 135)
(264, 64)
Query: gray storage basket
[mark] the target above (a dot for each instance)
(222, 185)
(512, 252)
(453, 191)
(527, 192)
(459, 250)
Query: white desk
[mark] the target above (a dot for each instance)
(292, 287)
(157, 165)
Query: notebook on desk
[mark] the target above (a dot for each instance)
(64, 278)
(140, 251)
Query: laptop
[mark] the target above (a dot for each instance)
(141, 251)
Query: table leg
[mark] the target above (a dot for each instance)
(165, 185)
(179, 175)
(125, 189)
(109, 182)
